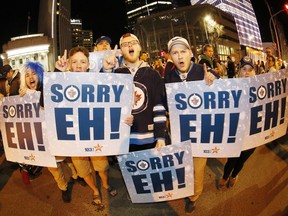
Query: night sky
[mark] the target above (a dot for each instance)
(107, 17)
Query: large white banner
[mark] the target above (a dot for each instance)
(85, 113)
(219, 119)
(23, 127)
(156, 176)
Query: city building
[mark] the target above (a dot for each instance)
(190, 22)
(246, 22)
(55, 36)
(34, 47)
(81, 37)
(88, 39)
(142, 8)
(54, 22)
(76, 29)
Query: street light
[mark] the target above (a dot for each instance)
(272, 21)
(206, 19)
(286, 7)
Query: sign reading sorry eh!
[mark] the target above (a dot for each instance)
(87, 111)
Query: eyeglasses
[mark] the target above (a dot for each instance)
(126, 44)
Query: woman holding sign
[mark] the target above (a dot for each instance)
(31, 81)
(234, 165)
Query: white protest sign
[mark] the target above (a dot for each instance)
(156, 176)
(23, 131)
(87, 112)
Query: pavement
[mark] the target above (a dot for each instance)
(261, 190)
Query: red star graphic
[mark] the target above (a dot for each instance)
(32, 157)
(169, 195)
(272, 133)
(215, 150)
(98, 148)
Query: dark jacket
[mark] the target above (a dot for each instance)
(14, 84)
(207, 61)
(230, 69)
(148, 109)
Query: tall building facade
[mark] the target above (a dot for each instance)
(246, 22)
(33, 47)
(81, 37)
(88, 39)
(76, 30)
(142, 8)
(156, 30)
(54, 22)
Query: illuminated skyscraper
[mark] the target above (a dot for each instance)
(245, 19)
(54, 22)
(142, 8)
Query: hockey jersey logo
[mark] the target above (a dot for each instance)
(140, 98)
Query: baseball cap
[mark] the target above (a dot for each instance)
(178, 40)
(128, 35)
(103, 38)
(246, 60)
(4, 70)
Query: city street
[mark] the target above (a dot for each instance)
(261, 190)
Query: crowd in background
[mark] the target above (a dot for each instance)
(138, 63)
(223, 67)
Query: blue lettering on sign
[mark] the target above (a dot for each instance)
(24, 131)
(161, 181)
(87, 93)
(208, 128)
(27, 110)
(212, 100)
(271, 89)
(270, 113)
(156, 162)
(87, 121)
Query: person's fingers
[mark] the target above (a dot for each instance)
(65, 55)
(205, 69)
(114, 51)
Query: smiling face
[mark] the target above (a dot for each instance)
(181, 56)
(31, 79)
(130, 49)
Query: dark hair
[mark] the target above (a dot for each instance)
(273, 59)
(206, 46)
(79, 49)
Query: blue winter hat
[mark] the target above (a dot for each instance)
(103, 38)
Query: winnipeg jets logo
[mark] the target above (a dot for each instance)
(143, 165)
(195, 101)
(72, 93)
(261, 92)
(140, 98)
(12, 111)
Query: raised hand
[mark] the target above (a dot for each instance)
(62, 62)
(110, 61)
(208, 76)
